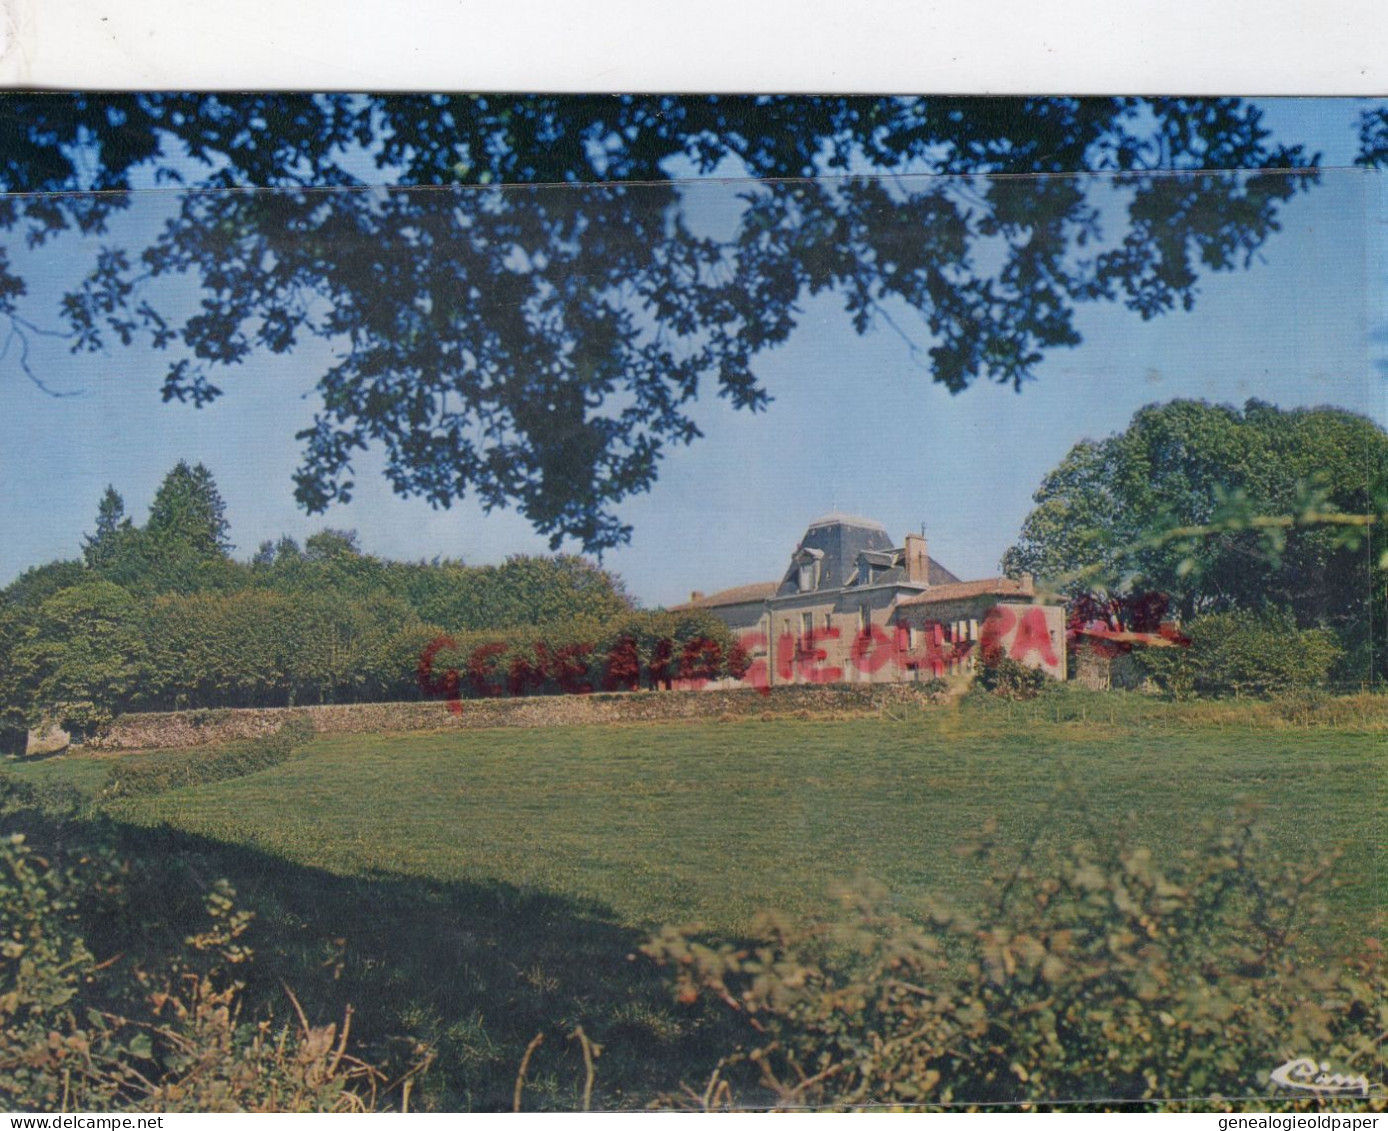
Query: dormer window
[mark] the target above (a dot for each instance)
(807, 569)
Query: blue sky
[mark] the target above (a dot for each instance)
(856, 423)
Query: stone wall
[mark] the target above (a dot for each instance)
(198, 728)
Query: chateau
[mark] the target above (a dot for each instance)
(852, 607)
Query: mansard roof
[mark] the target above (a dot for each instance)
(834, 546)
(838, 518)
(840, 538)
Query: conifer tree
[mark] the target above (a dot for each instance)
(100, 549)
(188, 511)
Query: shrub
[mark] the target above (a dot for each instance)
(1244, 653)
(1009, 679)
(58, 799)
(161, 772)
(936, 689)
(1092, 976)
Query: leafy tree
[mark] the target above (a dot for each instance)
(330, 562)
(83, 655)
(35, 585)
(524, 590)
(20, 603)
(14, 682)
(273, 558)
(1225, 509)
(539, 348)
(328, 545)
(182, 547)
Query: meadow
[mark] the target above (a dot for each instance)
(471, 888)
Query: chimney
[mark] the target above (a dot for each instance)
(696, 595)
(917, 560)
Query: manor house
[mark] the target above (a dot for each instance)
(852, 607)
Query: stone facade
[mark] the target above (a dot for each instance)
(853, 608)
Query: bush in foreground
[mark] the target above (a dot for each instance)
(1099, 976)
(1008, 679)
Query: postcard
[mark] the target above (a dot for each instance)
(563, 603)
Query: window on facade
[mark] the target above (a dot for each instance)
(865, 617)
(828, 621)
(806, 625)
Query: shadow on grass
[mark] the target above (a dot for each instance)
(474, 971)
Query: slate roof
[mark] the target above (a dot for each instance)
(838, 542)
(936, 574)
(838, 518)
(841, 538)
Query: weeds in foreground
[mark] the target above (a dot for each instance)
(165, 1040)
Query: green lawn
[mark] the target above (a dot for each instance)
(714, 822)
(472, 888)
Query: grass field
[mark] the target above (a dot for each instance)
(716, 822)
(476, 883)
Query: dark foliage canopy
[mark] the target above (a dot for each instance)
(522, 306)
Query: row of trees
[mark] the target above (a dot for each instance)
(1261, 511)
(90, 652)
(184, 547)
(160, 616)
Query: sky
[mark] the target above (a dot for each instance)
(855, 425)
